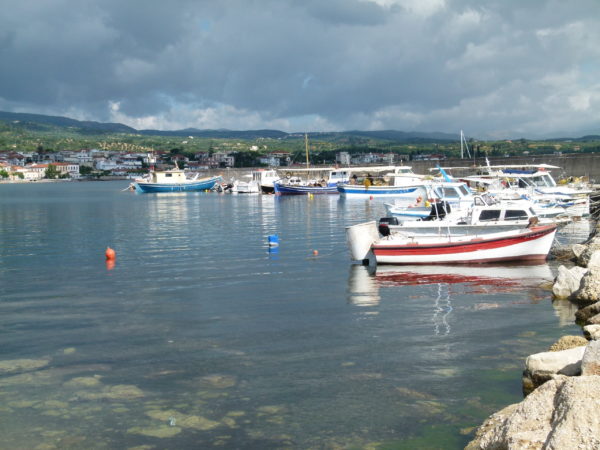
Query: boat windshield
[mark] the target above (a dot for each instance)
(515, 214)
(489, 215)
(452, 191)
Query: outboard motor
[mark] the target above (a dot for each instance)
(384, 223)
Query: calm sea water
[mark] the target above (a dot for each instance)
(201, 337)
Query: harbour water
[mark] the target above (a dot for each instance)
(203, 336)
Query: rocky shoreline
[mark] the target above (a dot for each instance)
(561, 408)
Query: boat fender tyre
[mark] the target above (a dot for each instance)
(288, 174)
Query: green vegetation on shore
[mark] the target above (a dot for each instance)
(59, 134)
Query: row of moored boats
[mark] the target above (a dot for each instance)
(501, 213)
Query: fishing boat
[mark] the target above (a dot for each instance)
(266, 179)
(382, 182)
(533, 182)
(326, 184)
(455, 195)
(173, 180)
(484, 216)
(251, 186)
(292, 184)
(528, 244)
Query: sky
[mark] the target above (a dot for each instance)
(496, 69)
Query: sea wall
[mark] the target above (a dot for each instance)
(576, 165)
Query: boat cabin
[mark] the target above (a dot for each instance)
(173, 176)
(265, 176)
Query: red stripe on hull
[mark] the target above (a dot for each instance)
(531, 258)
(455, 248)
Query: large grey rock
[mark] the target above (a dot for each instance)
(592, 332)
(594, 261)
(589, 288)
(567, 281)
(594, 320)
(593, 245)
(588, 311)
(562, 414)
(590, 364)
(567, 342)
(578, 249)
(565, 362)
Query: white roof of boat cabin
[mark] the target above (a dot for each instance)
(502, 166)
(349, 169)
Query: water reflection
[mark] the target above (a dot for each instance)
(480, 278)
(363, 289)
(365, 284)
(565, 311)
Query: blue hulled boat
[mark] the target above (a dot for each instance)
(302, 189)
(174, 180)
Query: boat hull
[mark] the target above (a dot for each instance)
(282, 189)
(358, 191)
(532, 244)
(192, 186)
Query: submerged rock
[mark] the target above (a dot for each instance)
(218, 381)
(183, 420)
(22, 365)
(117, 392)
(161, 431)
(84, 381)
(562, 414)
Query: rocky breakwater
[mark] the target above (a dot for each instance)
(561, 409)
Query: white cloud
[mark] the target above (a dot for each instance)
(422, 8)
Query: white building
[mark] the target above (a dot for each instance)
(343, 158)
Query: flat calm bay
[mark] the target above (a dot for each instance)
(201, 336)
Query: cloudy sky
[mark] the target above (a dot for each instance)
(494, 68)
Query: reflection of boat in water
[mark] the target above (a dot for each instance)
(362, 286)
(496, 275)
(365, 282)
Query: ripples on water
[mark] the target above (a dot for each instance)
(201, 336)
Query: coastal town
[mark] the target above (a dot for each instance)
(93, 163)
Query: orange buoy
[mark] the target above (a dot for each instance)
(110, 254)
(110, 264)
(315, 252)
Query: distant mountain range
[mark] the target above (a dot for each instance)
(41, 123)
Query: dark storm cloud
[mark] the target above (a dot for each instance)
(494, 67)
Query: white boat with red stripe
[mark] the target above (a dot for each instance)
(528, 244)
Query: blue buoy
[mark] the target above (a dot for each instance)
(273, 240)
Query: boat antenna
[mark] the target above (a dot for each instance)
(306, 148)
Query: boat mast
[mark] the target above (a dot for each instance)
(306, 148)
(462, 139)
